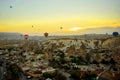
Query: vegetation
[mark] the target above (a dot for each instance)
(13, 72)
(49, 75)
(89, 76)
(78, 60)
(75, 74)
(54, 76)
(79, 75)
(60, 76)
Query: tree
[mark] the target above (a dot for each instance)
(13, 72)
(112, 61)
(61, 54)
(95, 62)
(89, 76)
(48, 75)
(87, 57)
(75, 74)
(60, 76)
(104, 62)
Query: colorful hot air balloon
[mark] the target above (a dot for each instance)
(115, 34)
(26, 36)
(46, 34)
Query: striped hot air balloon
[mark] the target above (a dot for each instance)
(26, 36)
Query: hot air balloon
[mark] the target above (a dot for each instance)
(10, 6)
(61, 27)
(46, 34)
(26, 36)
(115, 34)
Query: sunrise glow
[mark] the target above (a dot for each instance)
(48, 16)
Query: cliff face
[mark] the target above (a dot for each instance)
(111, 43)
(108, 43)
(82, 46)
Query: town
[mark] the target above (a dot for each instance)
(60, 58)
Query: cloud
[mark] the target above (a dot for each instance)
(106, 27)
(102, 30)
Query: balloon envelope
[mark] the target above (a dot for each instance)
(61, 27)
(10, 6)
(115, 33)
(46, 34)
(26, 36)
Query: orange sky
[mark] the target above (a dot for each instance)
(74, 17)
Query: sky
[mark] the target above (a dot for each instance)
(60, 17)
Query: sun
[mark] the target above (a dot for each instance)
(75, 28)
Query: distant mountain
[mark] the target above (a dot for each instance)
(6, 35)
